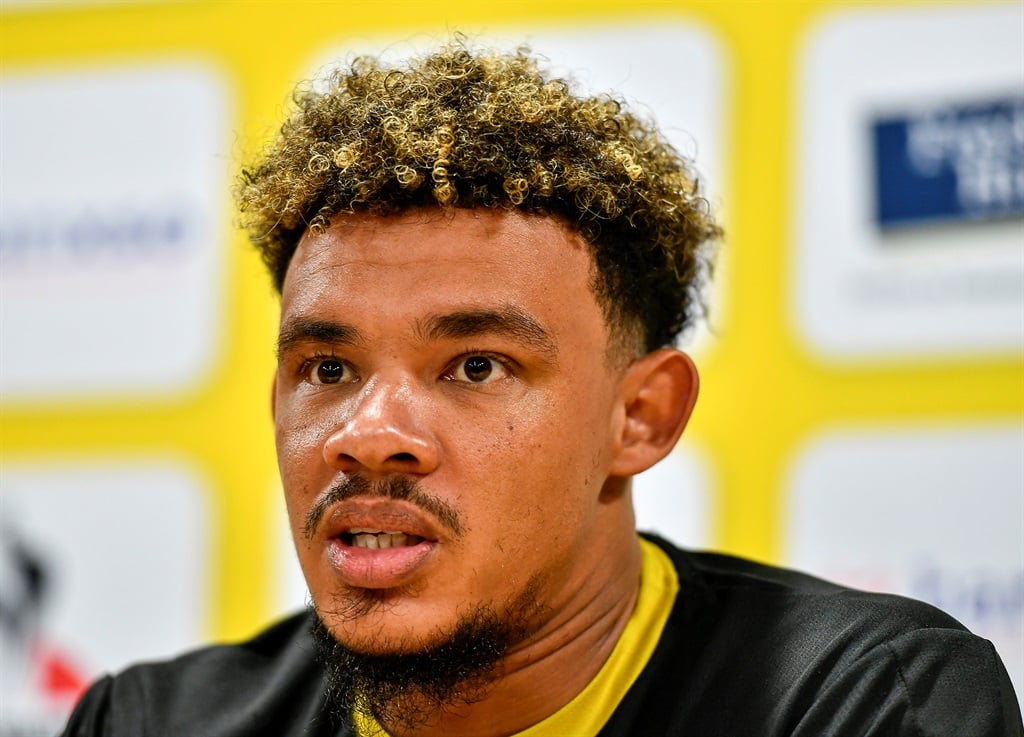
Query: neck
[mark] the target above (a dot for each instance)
(545, 672)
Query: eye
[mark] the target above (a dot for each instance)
(328, 371)
(478, 370)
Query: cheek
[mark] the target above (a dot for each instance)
(565, 461)
(301, 428)
(536, 473)
(297, 442)
(299, 437)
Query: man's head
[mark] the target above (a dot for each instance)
(487, 130)
(460, 247)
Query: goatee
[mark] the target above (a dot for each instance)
(406, 688)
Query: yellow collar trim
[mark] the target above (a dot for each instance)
(592, 707)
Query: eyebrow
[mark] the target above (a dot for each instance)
(302, 329)
(509, 322)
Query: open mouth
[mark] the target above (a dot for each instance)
(380, 553)
(361, 537)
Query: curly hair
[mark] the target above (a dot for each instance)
(461, 128)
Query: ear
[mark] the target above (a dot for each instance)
(658, 394)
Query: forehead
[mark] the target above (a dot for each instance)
(430, 259)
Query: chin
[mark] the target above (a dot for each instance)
(384, 622)
(407, 659)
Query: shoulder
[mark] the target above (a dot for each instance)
(802, 654)
(255, 687)
(756, 597)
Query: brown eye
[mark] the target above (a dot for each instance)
(328, 371)
(478, 368)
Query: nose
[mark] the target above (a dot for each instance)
(384, 431)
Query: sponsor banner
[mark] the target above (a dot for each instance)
(675, 499)
(937, 515)
(102, 564)
(958, 162)
(910, 116)
(111, 221)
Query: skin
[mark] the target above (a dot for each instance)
(534, 458)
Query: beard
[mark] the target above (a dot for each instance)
(406, 687)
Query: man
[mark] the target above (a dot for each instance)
(481, 278)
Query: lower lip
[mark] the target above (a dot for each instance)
(384, 568)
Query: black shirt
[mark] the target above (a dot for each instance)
(748, 650)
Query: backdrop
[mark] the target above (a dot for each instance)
(862, 377)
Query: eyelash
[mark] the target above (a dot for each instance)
(309, 362)
(507, 364)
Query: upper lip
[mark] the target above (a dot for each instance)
(386, 515)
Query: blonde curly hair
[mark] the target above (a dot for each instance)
(467, 128)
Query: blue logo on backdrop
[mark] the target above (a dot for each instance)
(958, 162)
(989, 598)
(67, 241)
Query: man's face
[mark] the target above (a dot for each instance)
(445, 417)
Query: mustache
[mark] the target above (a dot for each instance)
(392, 487)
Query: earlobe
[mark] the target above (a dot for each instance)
(658, 395)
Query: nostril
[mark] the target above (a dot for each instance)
(375, 447)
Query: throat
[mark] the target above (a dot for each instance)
(559, 674)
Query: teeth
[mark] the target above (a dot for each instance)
(365, 541)
(375, 540)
